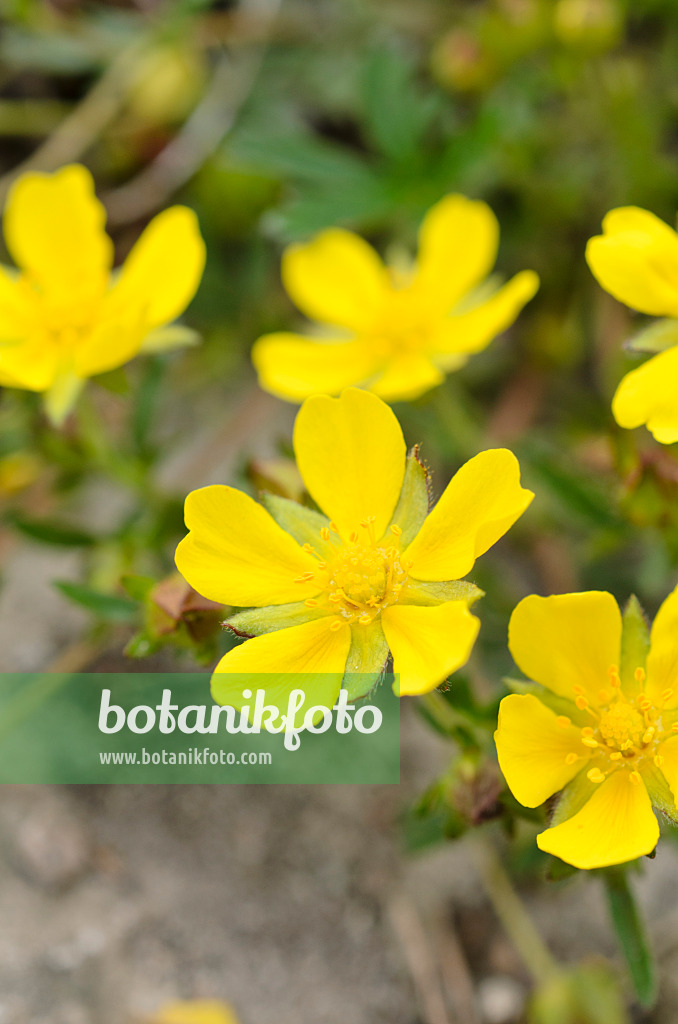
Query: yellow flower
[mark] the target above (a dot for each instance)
(636, 261)
(601, 726)
(334, 589)
(395, 330)
(64, 316)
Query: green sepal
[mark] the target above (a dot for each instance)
(165, 339)
(419, 593)
(657, 337)
(635, 645)
(413, 503)
(573, 797)
(272, 617)
(561, 705)
(302, 523)
(367, 659)
(61, 397)
(659, 791)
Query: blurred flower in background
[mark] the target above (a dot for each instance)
(636, 260)
(64, 317)
(397, 330)
(199, 1011)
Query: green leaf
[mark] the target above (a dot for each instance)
(52, 532)
(109, 607)
(659, 336)
(301, 157)
(397, 115)
(630, 931)
(635, 644)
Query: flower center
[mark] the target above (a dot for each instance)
(625, 732)
(403, 327)
(622, 726)
(359, 580)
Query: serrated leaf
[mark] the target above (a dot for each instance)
(397, 114)
(109, 607)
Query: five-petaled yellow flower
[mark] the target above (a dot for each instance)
(603, 727)
(64, 316)
(334, 590)
(636, 260)
(394, 330)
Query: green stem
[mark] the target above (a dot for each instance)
(511, 912)
(631, 934)
(451, 721)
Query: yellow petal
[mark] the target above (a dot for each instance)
(480, 503)
(406, 377)
(237, 554)
(294, 367)
(337, 278)
(458, 242)
(54, 229)
(662, 660)
(472, 331)
(616, 825)
(567, 640)
(532, 749)
(636, 260)
(351, 454)
(110, 344)
(310, 657)
(29, 364)
(650, 395)
(198, 1011)
(428, 644)
(162, 272)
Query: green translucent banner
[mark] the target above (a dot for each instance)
(111, 728)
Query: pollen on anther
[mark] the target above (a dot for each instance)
(639, 675)
(587, 731)
(648, 734)
(578, 690)
(563, 721)
(308, 548)
(667, 695)
(325, 533)
(588, 741)
(645, 705)
(395, 530)
(616, 755)
(635, 777)
(311, 603)
(365, 619)
(305, 577)
(674, 727)
(658, 760)
(336, 624)
(595, 775)
(334, 528)
(571, 758)
(603, 696)
(582, 703)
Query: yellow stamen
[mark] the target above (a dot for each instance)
(616, 755)
(635, 777)
(305, 577)
(639, 675)
(603, 696)
(325, 533)
(648, 734)
(336, 624)
(396, 530)
(582, 703)
(308, 549)
(587, 731)
(563, 721)
(334, 528)
(571, 758)
(658, 760)
(588, 742)
(595, 775)
(311, 603)
(578, 690)
(667, 695)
